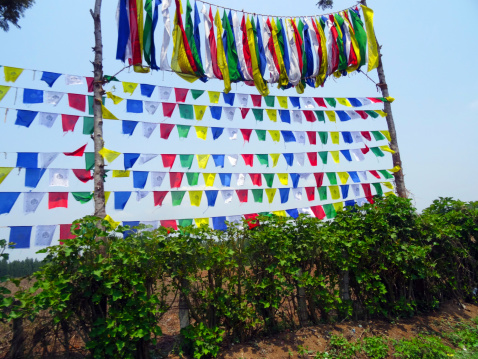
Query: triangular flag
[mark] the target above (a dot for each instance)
(275, 158)
(199, 111)
(195, 198)
(4, 171)
(129, 87)
(201, 132)
(106, 114)
(202, 160)
(11, 73)
(3, 91)
(271, 192)
(213, 96)
(77, 153)
(109, 155)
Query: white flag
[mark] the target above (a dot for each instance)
(365, 101)
(151, 106)
(163, 63)
(356, 189)
(295, 71)
(73, 80)
(297, 116)
(227, 195)
(143, 158)
(297, 193)
(236, 26)
(233, 133)
(242, 99)
(353, 115)
(31, 200)
(164, 93)
(357, 153)
(233, 159)
(266, 35)
(44, 235)
(47, 119)
(46, 158)
(140, 195)
(157, 178)
(357, 136)
(148, 128)
(315, 44)
(304, 176)
(53, 97)
(361, 201)
(234, 219)
(230, 112)
(308, 102)
(306, 210)
(58, 177)
(300, 137)
(363, 174)
(241, 178)
(207, 48)
(300, 158)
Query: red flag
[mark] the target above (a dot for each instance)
(187, 48)
(246, 134)
(242, 194)
(57, 199)
(65, 232)
(251, 220)
(213, 47)
(362, 114)
(248, 159)
(89, 82)
(365, 150)
(256, 100)
(309, 116)
(310, 193)
(69, 122)
(83, 175)
(77, 102)
(335, 47)
(175, 179)
(159, 197)
(312, 158)
(168, 160)
(271, 46)
(181, 94)
(320, 101)
(319, 178)
(134, 33)
(312, 137)
(318, 212)
(168, 109)
(375, 174)
(368, 192)
(298, 44)
(244, 112)
(256, 179)
(165, 130)
(366, 134)
(169, 223)
(77, 153)
(374, 100)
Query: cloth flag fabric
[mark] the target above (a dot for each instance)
(44, 235)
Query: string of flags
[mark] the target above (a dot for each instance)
(241, 47)
(44, 234)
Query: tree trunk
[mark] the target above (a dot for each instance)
(99, 171)
(399, 178)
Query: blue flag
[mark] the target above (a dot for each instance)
(139, 179)
(343, 116)
(218, 160)
(49, 77)
(219, 223)
(289, 158)
(20, 236)
(33, 176)
(345, 190)
(284, 116)
(147, 90)
(7, 200)
(128, 233)
(295, 179)
(130, 159)
(284, 194)
(134, 106)
(229, 98)
(347, 137)
(288, 136)
(346, 154)
(354, 176)
(32, 96)
(294, 101)
(294, 213)
(216, 112)
(121, 198)
(27, 159)
(217, 132)
(25, 118)
(211, 197)
(128, 127)
(225, 179)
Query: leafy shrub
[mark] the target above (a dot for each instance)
(426, 347)
(202, 341)
(375, 347)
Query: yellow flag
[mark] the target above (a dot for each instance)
(381, 113)
(107, 115)
(334, 192)
(116, 99)
(335, 137)
(388, 185)
(221, 55)
(390, 99)
(343, 101)
(283, 178)
(283, 78)
(202, 160)
(330, 115)
(3, 91)
(275, 158)
(209, 179)
(213, 96)
(201, 132)
(387, 149)
(195, 197)
(107, 196)
(338, 206)
(275, 135)
(280, 213)
(395, 169)
(201, 222)
(120, 173)
(271, 192)
(199, 111)
(335, 156)
(129, 87)
(390, 193)
(111, 220)
(12, 73)
(259, 82)
(344, 177)
(371, 40)
(272, 114)
(282, 101)
(387, 134)
(323, 65)
(109, 155)
(4, 172)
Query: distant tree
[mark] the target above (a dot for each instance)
(11, 11)
(325, 4)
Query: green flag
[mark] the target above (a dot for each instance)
(147, 33)
(269, 100)
(324, 136)
(331, 101)
(232, 58)
(192, 178)
(88, 125)
(360, 35)
(263, 159)
(183, 130)
(320, 116)
(186, 111)
(89, 160)
(192, 44)
(185, 222)
(377, 151)
(261, 135)
(269, 177)
(196, 93)
(322, 193)
(186, 161)
(259, 114)
(378, 188)
(340, 43)
(177, 197)
(323, 156)
(329, 210)
(91, 100)
(82, 197)
(371, 113)
(332, 178)
(385, 174)
(258, 195)
(378, 135)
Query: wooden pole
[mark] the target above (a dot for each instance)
(99, 171)
(397, 161)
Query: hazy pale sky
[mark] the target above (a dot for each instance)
(429, 54)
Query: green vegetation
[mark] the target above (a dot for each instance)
(19, 268)
(236, 284)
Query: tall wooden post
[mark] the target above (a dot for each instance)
(399, 178)
(99, 172)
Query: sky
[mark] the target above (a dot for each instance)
(428, 56)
